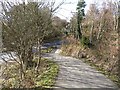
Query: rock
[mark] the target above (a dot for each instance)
(82, 55)
(87, 56)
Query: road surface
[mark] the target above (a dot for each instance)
(74, 73)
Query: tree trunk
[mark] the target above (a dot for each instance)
(91, 32)
(115, 23)
(79, 28)
(39, 56)
(30, 58)
(1, 37)
(118, 46)
(24, 61)
(118, 31)
(100, 27)
(116, 17)
(99, 32)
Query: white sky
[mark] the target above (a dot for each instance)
(65, 11)
(69, 6)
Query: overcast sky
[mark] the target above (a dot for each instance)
(69, 7)
(65, 11)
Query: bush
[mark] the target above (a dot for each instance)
(85, 41)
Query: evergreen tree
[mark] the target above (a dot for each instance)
(80, 14)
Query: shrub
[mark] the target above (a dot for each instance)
(85, 41)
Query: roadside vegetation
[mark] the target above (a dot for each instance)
(25, 29)
(94, 36)
(45, 78)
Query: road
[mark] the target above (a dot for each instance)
(74, 73)
(9, 56)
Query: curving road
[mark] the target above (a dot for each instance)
(76, 74)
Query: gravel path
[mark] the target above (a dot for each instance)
(76, 74)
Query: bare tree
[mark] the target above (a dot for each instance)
(24, 27)
(73, 25)
(118, 29)
(92, 16)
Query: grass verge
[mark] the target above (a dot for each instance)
(48, 76)
(45, 78)
(112, 77)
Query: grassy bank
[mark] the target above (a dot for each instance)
(93, 58)
(45, 77)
